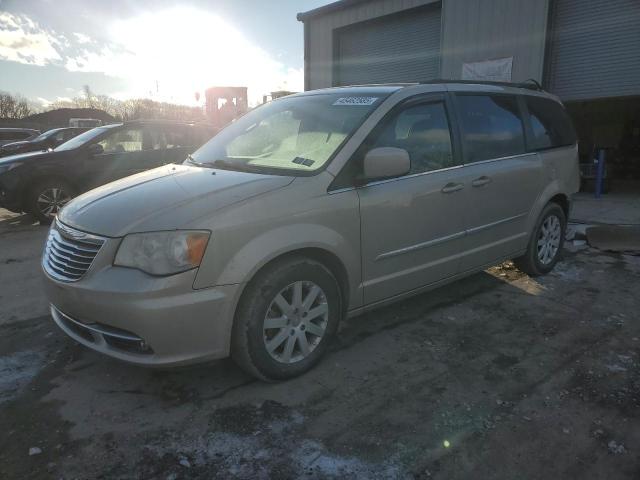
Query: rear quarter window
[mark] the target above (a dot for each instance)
(551, 125)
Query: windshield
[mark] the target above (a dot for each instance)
(293, 136)
(81, 139)
(45, 135)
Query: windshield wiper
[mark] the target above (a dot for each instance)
(193, 161)
(227, 165)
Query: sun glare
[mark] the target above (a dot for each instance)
(171, 54)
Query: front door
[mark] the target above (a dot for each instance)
(122, 154)
(412, 227)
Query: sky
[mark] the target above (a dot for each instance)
(166, 50)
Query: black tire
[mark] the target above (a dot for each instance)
(530, 262)
(34, 206)
(248, 342)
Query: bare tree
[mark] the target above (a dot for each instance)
(132, 109)
(88, 95)
(13, 106)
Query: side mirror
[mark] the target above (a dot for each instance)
(385, 162)
(96, 149)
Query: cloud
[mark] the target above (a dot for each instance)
(22, 40)
(82, 38)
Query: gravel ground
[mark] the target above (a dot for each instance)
(496, 376)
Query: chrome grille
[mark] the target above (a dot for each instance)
(69, 252)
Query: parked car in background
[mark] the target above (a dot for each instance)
(42, 182)
(49, 139)
(307, 209)
(9, 135)
(85, 122)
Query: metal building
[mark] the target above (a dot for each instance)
(585, 51)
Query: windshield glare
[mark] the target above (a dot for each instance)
(81, 139)
(45, 135)
(292, 135)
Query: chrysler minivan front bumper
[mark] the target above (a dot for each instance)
(139, 318)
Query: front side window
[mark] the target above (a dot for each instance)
(121, 141)
(293, 135)
(82, 139)
(491, 126)
(423, 131)
(550, 124)
(69, 134)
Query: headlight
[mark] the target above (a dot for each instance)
(162, 253)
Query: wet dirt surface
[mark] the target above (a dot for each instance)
(496, 376)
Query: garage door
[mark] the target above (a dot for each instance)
(402, 47)
(595, 49)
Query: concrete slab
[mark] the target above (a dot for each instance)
(613, 238)
(620, 207)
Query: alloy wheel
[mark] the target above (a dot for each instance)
(51, 200)
(296, 322)
(549, 239)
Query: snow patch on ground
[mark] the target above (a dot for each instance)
(567, 271)
(16, 372)
(272, 450)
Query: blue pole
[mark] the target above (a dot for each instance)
(600, 172)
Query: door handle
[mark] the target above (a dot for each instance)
(452, 187)
(479, 182)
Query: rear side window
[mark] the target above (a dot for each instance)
(491, 126)
(550, 124)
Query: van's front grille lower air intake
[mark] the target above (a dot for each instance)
(69, 252)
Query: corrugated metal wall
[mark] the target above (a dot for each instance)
(403, 47)
(320, 30)
(478, 30)
(595, 48)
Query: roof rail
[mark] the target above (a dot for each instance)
(529, 84)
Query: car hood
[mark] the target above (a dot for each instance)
(165, 198)
(29, 156)
(22, 143)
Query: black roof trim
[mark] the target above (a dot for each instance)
(530, 84)
(331, 7)
(158, 121)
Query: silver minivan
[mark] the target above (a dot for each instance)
(309, 209)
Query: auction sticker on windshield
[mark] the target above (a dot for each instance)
(356, 101)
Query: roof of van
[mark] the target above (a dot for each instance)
(530, 86)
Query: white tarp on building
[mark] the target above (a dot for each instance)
(497, 70)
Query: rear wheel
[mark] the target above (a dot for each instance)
(47, 197)
(286, 319)
(545, 243)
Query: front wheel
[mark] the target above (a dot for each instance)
(545, 244)
(47, 197)
(286, 319)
